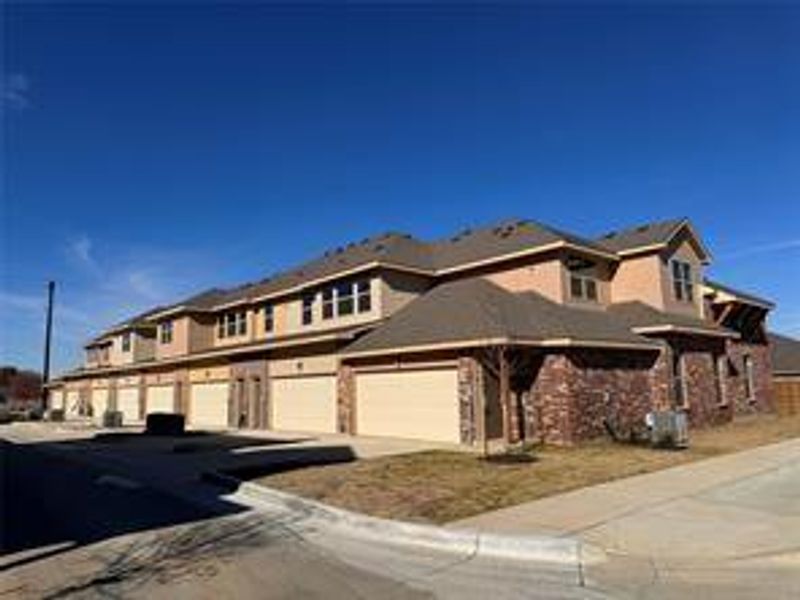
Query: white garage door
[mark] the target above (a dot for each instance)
(410, 404)
(128, 404)
(99, 404)
(57, 399)
(209, 405)
(72, 409)
(160, 398)
(304, 404)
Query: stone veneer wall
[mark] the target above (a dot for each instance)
(345, 399)
(470, 387)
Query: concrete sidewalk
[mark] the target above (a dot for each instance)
(739, 506)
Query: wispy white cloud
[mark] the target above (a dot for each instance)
(756, 250)
(14, 91)
(79, 252)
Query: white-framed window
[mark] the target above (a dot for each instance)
(308, 309)
(126, 341)
(364, 295)
(165, 332)
(344, 298)
(232, 324)
(682, 282)
(327, 303)
(269, 317)
(583, 287)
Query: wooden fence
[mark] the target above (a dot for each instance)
(787, 395)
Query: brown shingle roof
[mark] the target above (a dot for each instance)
(638, 314)
(785, 354)
(640, 236)
(505, 237)
(475, 310)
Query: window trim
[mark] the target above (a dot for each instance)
(232, 324)
(584, 283)
(345, 297)
(165, 332)
(363, 295)
(269, 317)
(682, 274)
(307, 309)
(126, 342)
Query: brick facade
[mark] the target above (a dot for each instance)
(577, 392)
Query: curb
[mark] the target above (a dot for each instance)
(547, 549)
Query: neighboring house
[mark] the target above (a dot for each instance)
(513, 331)
(786, 373)
(20, 389)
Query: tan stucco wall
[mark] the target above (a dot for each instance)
(209, 374)
(683, 250)
(639, 279)
(304, 365)
(180, 340)
(544, 277)
(398, 289)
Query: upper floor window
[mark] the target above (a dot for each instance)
(165, 332)
(682, 283)
(583, 287)
(364, 291)
(269, 317)
(344, 298)
(327, 303)
(232, 324)
(308, 309)
(126, 342)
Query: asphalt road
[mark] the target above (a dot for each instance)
(73, 530)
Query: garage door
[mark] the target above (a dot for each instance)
(209, 406)
(409, 404)
(73, 406)
(99, 404)
(304, 404)
(160, 398)
(57, 400)
(128, 404)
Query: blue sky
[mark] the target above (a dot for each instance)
(152, 151)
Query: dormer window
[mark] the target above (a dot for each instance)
(583, 287)
(232, 324)
(344, 299)
(308, 309)
(165, 332)
(582, 282)
(269, 317)
(364, 292)
(327, 303)
(682, 284)
(126, 342)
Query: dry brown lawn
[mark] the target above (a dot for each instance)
(440, 486)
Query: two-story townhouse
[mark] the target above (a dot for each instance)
(513, 331)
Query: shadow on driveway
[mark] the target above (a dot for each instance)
(57, 496)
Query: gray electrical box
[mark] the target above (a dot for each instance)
(668, 429)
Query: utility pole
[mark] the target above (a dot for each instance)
(48, 331)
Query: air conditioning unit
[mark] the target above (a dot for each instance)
(668, 429)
